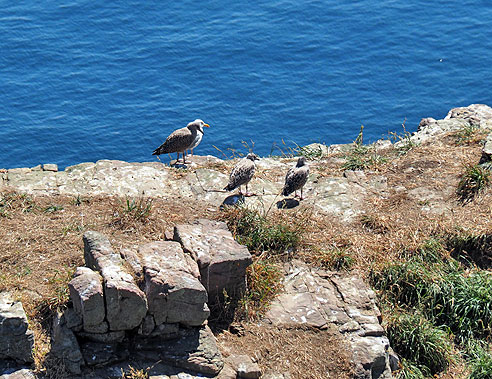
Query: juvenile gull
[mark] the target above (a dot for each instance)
(180, 140)
(242, 173)
(296, 178)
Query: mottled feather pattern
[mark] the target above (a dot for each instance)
(178, 141)
(242, 172)
(182, 139)
(296, 177)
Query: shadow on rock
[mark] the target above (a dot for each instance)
(179, 165)
(232, 200)
(287, 203)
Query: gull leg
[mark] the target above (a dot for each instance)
(301, 198)
(247, 192)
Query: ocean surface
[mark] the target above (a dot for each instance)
(88, 80)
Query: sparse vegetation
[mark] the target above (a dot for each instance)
(13, 200)
(362, 156)
(335, 258)
(403, 142)
(373, 223)
(263, 284)
(467, 134)
(473, 180)
(310, 152)
(131, 211)
(134, 373)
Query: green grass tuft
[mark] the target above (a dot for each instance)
(260, 234)
(415, 338)
(480, 358)
(474, 180)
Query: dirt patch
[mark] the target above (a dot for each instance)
(304, 352)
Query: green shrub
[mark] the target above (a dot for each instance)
(443, 291)
(467, 305)
(420, 342)
(415, 280)
(261, 234)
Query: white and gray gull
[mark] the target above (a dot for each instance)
(242, 173)
(296, 178)
(198, 139)
(182, 139)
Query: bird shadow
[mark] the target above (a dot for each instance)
(232, 200)
(179, 165)
(287, 203)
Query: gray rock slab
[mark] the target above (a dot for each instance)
(174, 293)
(371, 357)
(195, 349)
(16, 339)
(86, 293)
(244, 366)
(336, 196)
(108, 337)
(126, 304)
(317, 298)
(221, 260)
(23, 373)
(98, 251)
(50, 167)
(101, 354)
(64, 345)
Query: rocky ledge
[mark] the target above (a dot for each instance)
(152, 303)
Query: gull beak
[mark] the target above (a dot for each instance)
(206, 125)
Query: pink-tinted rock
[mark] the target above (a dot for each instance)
(86, 292)
(222, 261)
(126, 304)
(173, 292)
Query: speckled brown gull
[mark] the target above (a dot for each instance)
(296, 178)
(180, 140)
(242, 173)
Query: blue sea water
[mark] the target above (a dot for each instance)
(88, 80)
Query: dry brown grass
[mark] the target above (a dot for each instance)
(42, 246)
